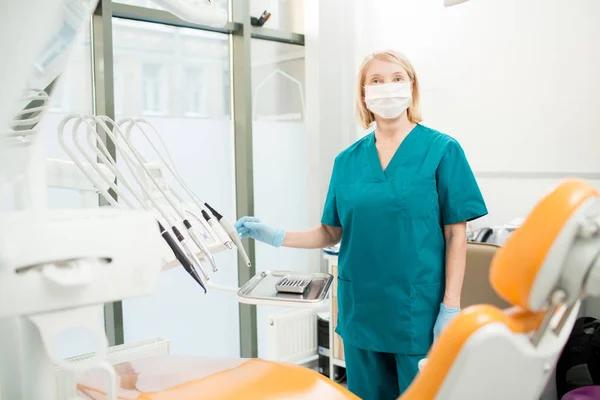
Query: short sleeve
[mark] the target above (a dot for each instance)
(330, 212)
(459, 195)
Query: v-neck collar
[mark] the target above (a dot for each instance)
(388, 173)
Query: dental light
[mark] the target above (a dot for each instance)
(450, 3)
(202, 14)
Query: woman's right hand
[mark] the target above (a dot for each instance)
(254, 228)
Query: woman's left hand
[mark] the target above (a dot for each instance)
(444, 317)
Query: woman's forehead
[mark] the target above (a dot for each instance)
(384, 67)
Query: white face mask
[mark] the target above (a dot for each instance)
(388, 100)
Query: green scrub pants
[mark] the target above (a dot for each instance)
(379, 376)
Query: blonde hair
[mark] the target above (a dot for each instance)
(366, 117)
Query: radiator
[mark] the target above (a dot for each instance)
(292, 336)
(66, 381)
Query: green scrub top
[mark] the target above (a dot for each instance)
(392, 255)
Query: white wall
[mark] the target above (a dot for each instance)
(515, 81)
(330, 47)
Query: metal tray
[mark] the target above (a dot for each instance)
(262, 287)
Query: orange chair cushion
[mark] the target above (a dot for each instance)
(445, 351)
(515, 267)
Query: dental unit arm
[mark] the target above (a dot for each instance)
(147, 187)
(153, 192)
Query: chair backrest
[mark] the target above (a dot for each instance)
(529, 267)
(477, 288)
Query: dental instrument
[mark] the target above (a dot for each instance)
(144, 173)
(217, 228)
(224, 222)
(221, 233)
(232, 232)
(166, 191)
(140, 164)
(102, 152)
(180, 256)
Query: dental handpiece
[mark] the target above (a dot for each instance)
(200, 244)
(189, 252)
(217, 228)
(185, 263)
(225, 231)
(158, 186)
(232, 232)
(110, 162)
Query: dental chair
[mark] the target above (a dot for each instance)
(544, 271)
(179, 377)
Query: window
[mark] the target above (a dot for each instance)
(168, 73)
(194, 93)
(119, 88)
(277, 81)
(151, 86)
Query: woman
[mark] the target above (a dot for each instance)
(399, 200)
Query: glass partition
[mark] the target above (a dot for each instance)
(178, 80)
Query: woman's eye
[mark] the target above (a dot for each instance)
(398, 79)
(375, 81)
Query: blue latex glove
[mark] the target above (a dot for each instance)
(444, 317)
(257, 230)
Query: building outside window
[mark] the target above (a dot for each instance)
(194, 102)
(151, 89)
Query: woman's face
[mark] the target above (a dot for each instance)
(379, 72)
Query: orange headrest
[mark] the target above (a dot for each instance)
(516, 266)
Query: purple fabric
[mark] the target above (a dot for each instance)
(583, 393)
